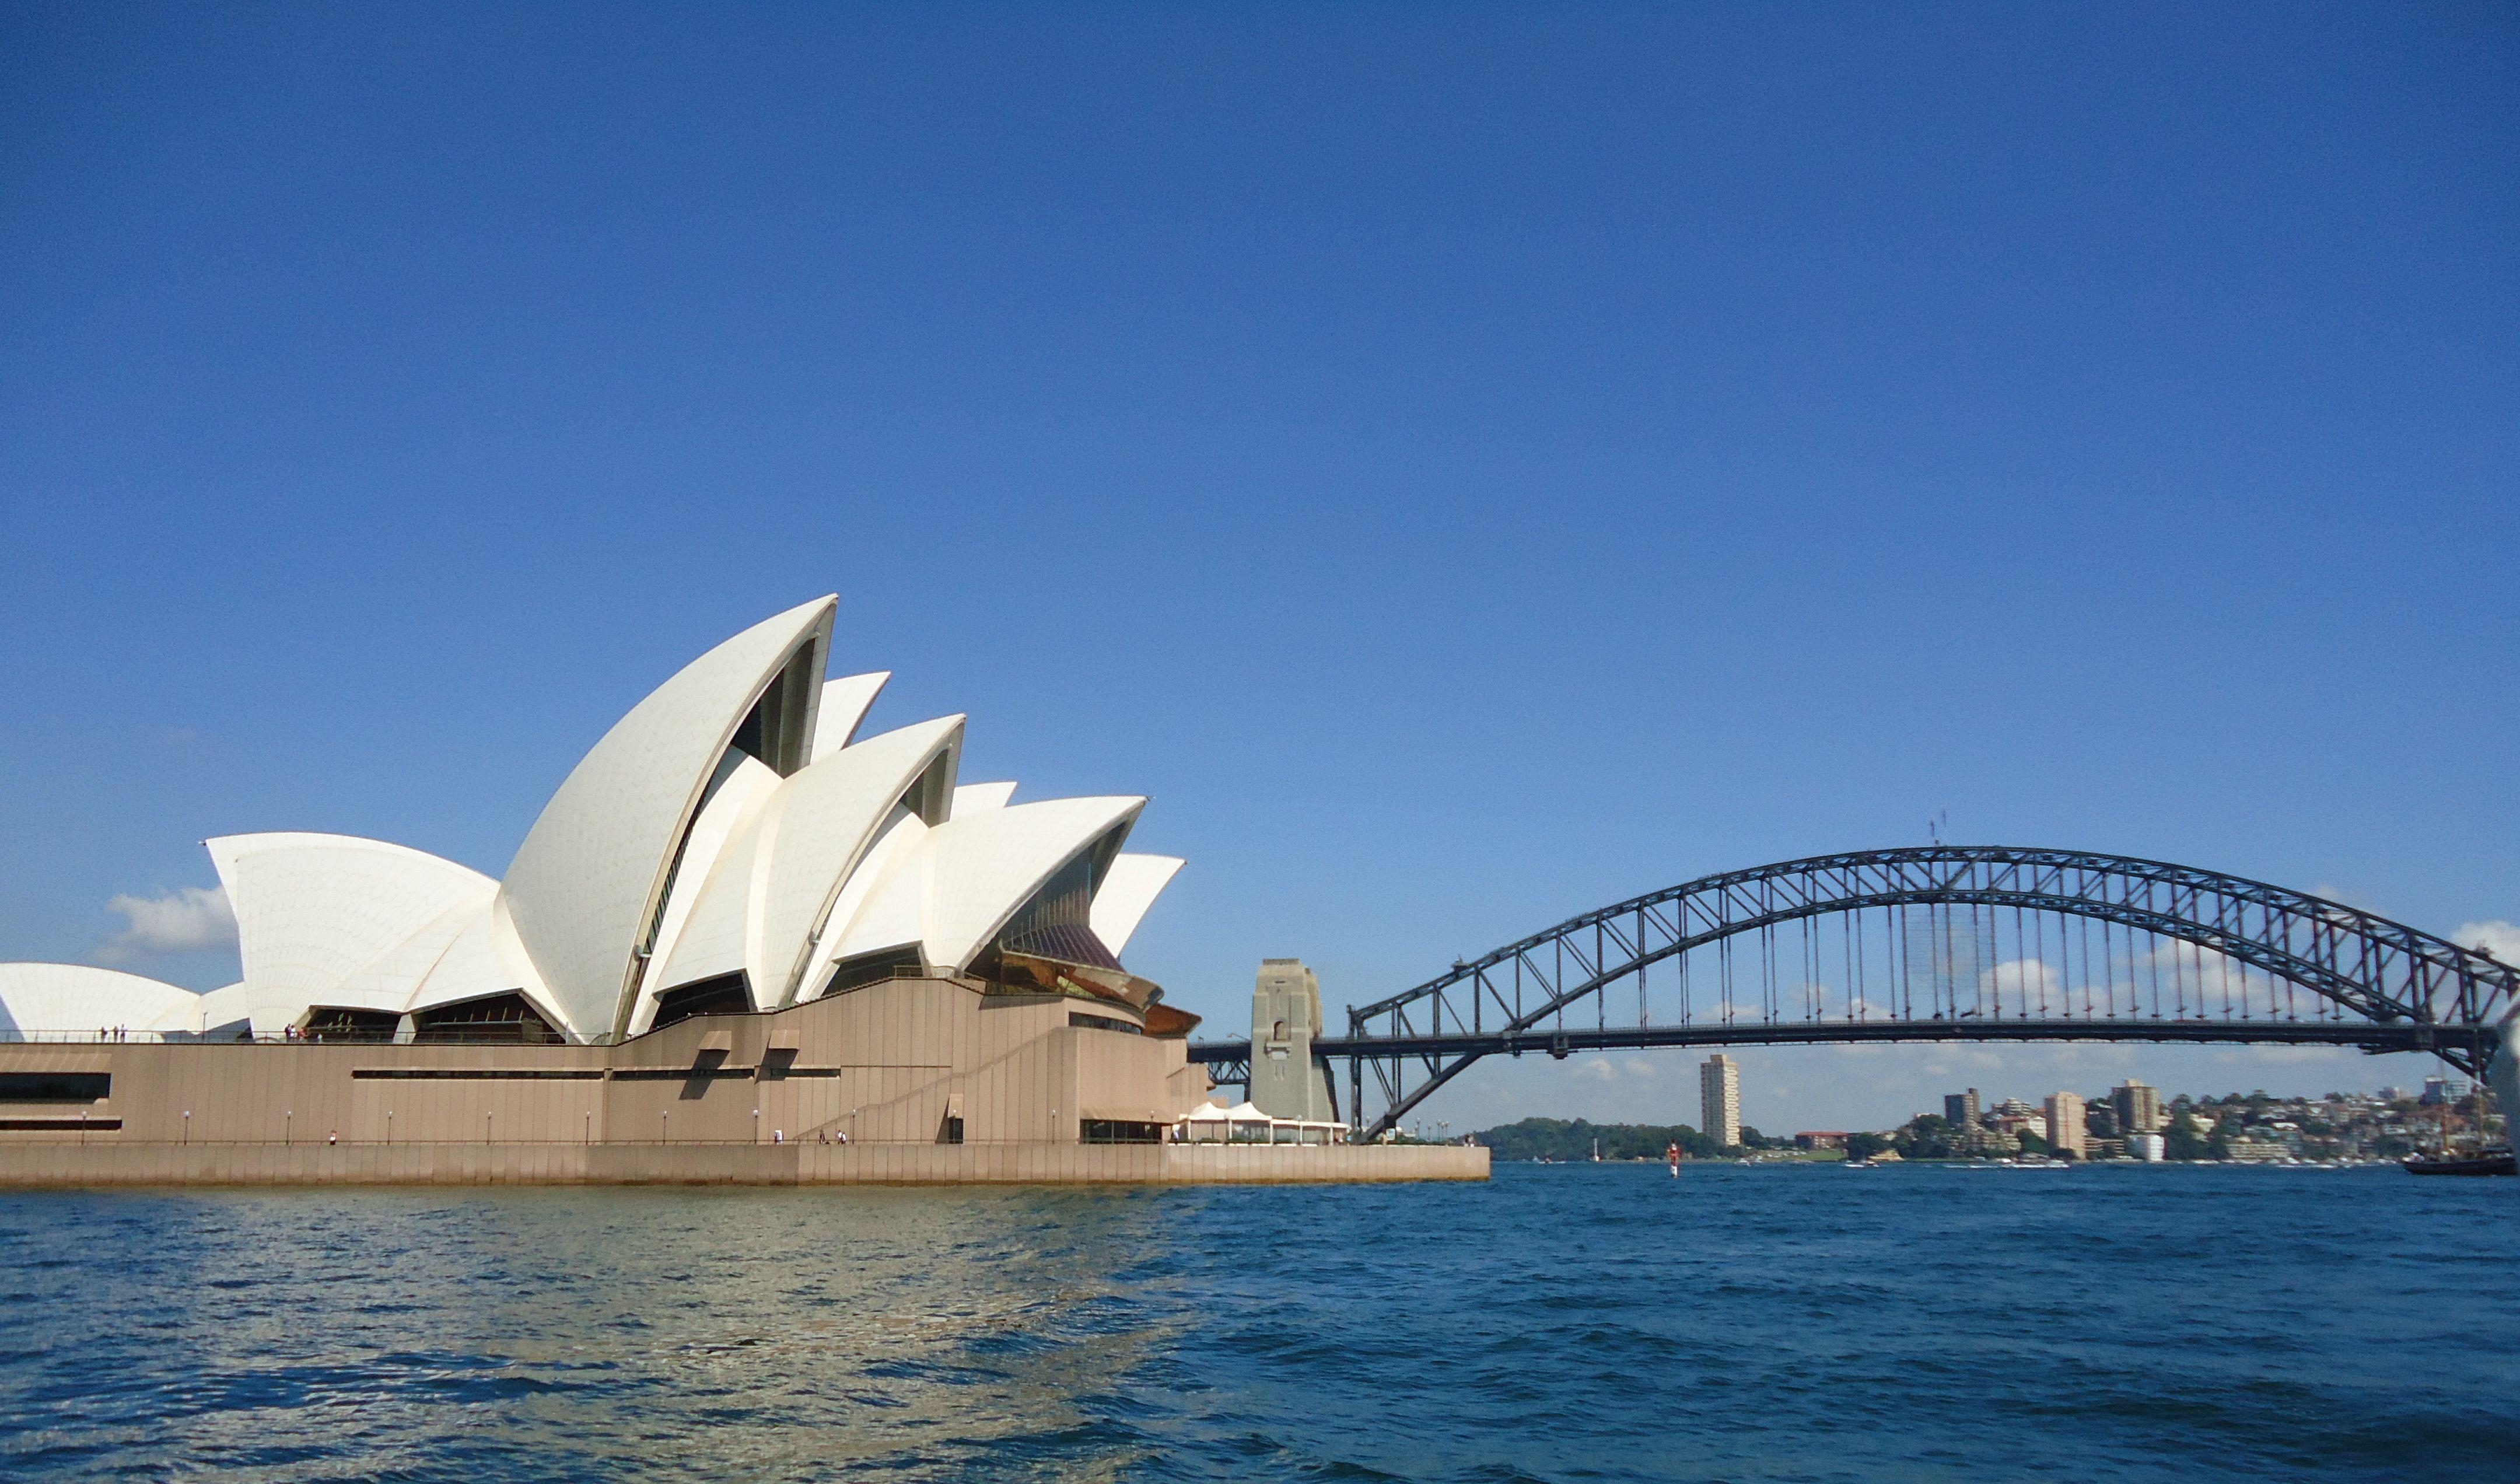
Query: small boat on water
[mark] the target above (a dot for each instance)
(2489, 1162)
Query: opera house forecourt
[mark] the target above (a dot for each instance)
(740, 943)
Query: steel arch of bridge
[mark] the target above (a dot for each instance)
(2371, 982)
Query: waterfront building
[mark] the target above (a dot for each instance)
(2439, 1091)
(2065, 1124)
(2149, 1147)
(866, 945)
(2015, 1120)
(1821, 1139)
(1959, 1109)
(1287, 1081)
(2139, 1108)
(2246, 1150)
(1719, 1100)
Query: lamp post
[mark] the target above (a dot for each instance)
(82, 1125)
(187, 1126)
(756, 1125)
(590, 1125)
(665, 1125)
(389, 1125)
(485, 1127)
(288, 1117)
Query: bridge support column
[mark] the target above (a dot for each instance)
(1287, 1081)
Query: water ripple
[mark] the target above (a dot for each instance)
(1558, 1323)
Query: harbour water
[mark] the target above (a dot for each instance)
(1557, 1323)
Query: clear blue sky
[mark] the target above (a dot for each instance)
(1467, 463)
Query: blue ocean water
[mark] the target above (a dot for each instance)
(1558, 1323)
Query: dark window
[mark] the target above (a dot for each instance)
(475, 1074)
(1103, 1023)
(494, 1020)
(748, 733)
(1055, 924)
(952, 1132)
(61, 1125)
(873, 968)
(56, 1087)
(723, 995)
(1116, 1131)
(928, 795)
(773, 730)
(328, 1023)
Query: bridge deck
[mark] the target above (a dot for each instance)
(2378, 1039)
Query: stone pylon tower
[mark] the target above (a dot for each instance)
(1285, 1014)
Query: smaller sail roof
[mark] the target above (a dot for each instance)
(957, 884)
(313, 909)
(1128, 889)
(48, 1001)
(973, 798)
(843, 709)
(708, 916)
(822, 823)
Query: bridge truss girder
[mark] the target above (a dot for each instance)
(2374, 984)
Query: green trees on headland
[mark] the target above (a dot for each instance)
(1569, 1140)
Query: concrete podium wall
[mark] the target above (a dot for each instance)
(888, 1062)
(70, 1165)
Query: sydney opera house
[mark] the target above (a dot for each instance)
(737, 922)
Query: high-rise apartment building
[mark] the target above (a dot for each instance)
(2139, 1108)
(2065, 1133)
(1719, 1098)
(1959, 1109)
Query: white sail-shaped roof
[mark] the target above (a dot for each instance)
(588, 882)
(270, 1011)
(720, 849)
(224, 1009)
(1128, 889)
(50, 1001)
(958, 884)
(717, 930)
(974, 798)
(896, 840)
(313, 909)
(845, 698)
(393, 977)
(485, 959)
(772, 887)
(822, 823)
(728, 822)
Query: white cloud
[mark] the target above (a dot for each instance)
(2018, 975)
(1597, 1068)
(2497, 937)
(182, 920)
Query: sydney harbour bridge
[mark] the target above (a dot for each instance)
(1931, 943)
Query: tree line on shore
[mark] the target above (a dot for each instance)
(1571, 1139)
